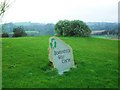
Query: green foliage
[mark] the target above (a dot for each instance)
(72, 28)
(58, 28)
(79, 28)
(5, 35)
(19, 32)
(25, 63)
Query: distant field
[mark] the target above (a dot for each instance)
(114, 37)
(25, 63)
(34, 32)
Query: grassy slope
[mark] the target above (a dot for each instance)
(25, 63)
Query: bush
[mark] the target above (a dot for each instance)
(72, 28)
(5, 35)
(19, 32)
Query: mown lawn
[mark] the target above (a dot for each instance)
(25, 64)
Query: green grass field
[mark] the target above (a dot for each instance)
(25, 64)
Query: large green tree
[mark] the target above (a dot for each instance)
(72, 28)
(80, 28)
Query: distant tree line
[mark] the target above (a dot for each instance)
(72, 28)
(107, 32)
(32, 29)
(17, 32)
(102, 26)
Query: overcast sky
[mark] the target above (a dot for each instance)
(51, 11)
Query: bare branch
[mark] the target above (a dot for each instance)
(4, 5)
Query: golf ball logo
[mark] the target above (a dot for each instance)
(53, 43)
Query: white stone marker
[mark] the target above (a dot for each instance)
(60, 54)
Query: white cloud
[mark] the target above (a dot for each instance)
(54, 10)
